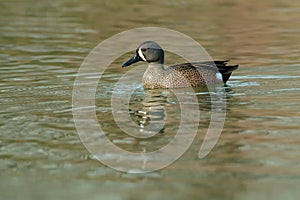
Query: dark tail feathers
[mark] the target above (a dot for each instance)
(225, 69)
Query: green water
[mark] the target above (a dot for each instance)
(43, 43)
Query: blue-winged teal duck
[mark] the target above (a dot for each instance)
(181, 75)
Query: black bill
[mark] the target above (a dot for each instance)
(134, 59)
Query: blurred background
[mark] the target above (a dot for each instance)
(43, 43)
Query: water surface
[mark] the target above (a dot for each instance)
(42, 45)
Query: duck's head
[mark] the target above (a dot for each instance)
(149, 52)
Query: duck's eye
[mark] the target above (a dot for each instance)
(143, 49)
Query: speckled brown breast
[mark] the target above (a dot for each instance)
(182, 75)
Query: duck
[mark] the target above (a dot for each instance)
(196, 74)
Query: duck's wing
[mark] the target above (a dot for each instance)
(214, 66)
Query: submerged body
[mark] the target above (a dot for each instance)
(196, 74)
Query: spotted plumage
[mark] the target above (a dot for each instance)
(181, 75)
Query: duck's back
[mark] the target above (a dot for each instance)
(190, 74)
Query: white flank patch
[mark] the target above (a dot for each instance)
(219, 76)
(141, 54)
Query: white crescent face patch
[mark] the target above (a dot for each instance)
(141, 54)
